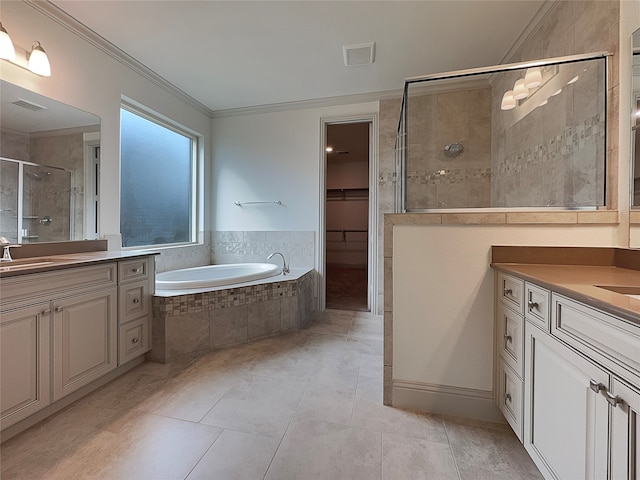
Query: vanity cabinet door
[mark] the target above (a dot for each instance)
(24, 362)
(625, 432)
(566, 413)
(84, 339)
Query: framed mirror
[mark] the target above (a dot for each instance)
(49, 168)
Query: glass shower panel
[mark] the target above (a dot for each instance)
(47, 204)
(469, 143)
(9, 173)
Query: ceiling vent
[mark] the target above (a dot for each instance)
(34, 107)
(359, 54)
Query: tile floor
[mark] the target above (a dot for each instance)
(306, 405)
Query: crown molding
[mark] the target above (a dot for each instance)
(62, 18)
(304, 104)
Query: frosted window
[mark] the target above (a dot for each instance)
(156, 183)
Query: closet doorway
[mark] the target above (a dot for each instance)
(347, 215)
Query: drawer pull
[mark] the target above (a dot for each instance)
(596, 386)
(135, 340)
(44, 313)
(613, 400)
(59, 309)
(533, 305)
(508, 291)
(136, 300)
(507, 398)
(508, 338)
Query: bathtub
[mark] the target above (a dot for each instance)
(215, 275)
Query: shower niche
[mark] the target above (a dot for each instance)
(49, 169)
(526, 135)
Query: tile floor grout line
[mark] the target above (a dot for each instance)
(205, 453)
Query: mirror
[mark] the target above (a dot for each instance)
(49, 167)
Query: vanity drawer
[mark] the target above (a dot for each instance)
(611, 341)
(511, 338)
(537, 306)
(509, 400)
(133, 270)
(134, 301)
(511, 291)
(133, 340)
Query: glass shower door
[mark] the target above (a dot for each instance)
(47, 204)
(9, 194)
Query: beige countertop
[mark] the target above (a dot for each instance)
(48, 263)
(583, 282)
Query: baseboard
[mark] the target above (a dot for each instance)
(446, 400)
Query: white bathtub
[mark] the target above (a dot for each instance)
(215, 275)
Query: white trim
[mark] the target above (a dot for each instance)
(90, 216)
(372, 254)
(305, 104)
(446, 400)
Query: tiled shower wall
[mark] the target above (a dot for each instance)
(435, 180)
(298, 247)
(569, 28)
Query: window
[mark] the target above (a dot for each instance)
(157, 181)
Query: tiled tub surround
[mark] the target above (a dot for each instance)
(199, 321)
(236, 246)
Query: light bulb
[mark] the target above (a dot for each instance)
(329, 149)
(573, 80)
(38, 61)
(533, 77)
(508, 101)
(6, 45)
(519, 90)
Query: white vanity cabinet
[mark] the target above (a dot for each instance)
(24, 361)
(509, 339)
(84, 339)
(137, 285)
(64, 329)
(566, 417)
(580, 416)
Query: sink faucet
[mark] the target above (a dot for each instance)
(6, 245)
(285, 268)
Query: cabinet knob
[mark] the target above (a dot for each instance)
(136, 300)
(508, 338)
(44, 313)
(59, 309)
(508, 291)
(135, 340)
(507, 397)
(596, 386)
(135, 270)
(613, 400)
(532, 305)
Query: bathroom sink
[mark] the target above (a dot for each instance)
(631, 292)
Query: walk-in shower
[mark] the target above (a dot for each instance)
(528, 135)
(36, 202)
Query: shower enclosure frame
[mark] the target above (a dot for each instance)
(20, 237)
(401, 144)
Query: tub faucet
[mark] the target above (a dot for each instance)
(6, 246)
(285, 268)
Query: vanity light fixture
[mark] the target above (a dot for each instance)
(38, 60)
(7, 51)
(508, 101)
(533, 77)
(519, 90)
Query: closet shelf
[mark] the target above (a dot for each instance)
(347, 194)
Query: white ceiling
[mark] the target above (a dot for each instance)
(232, 54)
